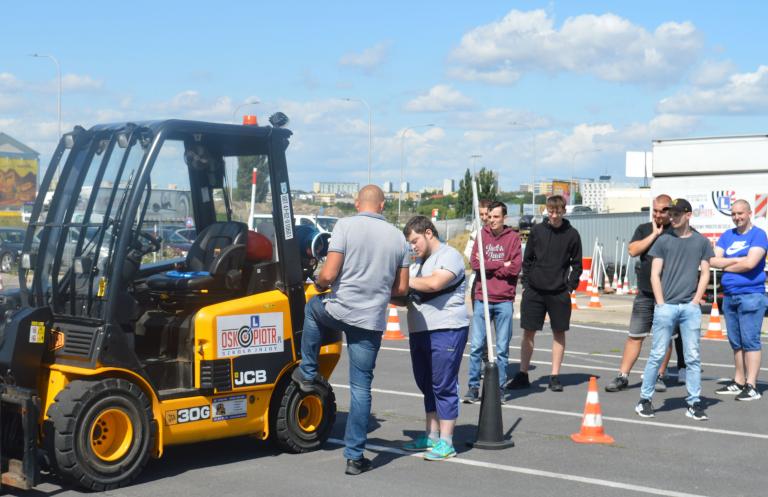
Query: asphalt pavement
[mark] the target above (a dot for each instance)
(669, 455)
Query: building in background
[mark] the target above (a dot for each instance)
(626, 198)
(387, 187)
(336, 188)
(447, 186)
(405, 187)
(19, 166)
(593, 192)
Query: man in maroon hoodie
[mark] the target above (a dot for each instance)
(503, 258)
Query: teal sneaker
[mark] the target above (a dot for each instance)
(419, 444)
(441, 450)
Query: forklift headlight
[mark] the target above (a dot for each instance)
(122, 140)
(26, 261)
(69, 141)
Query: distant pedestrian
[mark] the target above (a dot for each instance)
(551, 271)
(437, 332)
(367, 264)
(679, 276)
(740, 252)
(501, 252)
(641, 319)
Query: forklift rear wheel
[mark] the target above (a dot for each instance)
(304, 420)
(102, 433)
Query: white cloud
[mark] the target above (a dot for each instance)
(439, 98)
(743, 93)
(367, 60)
(606, 46)
(77, 82)
(10, 103)
(9, 82)
(712, 73)
(503, 76)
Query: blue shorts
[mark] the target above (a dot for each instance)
(743, 319)
(436, 357)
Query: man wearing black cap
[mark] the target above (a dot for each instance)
(679, 276)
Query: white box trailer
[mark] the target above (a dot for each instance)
(712, 173)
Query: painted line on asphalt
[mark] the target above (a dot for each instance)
(614, 330)
(531, 472)
(658, 424)
(577, 366)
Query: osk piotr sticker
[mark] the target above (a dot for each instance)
(245, 334)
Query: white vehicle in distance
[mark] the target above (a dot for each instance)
(264, 223)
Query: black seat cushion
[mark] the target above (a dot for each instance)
(178, 280)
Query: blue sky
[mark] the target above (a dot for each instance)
(583, 81)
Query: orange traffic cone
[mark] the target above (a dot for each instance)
(574, 305)
(592, 424)
(715, 327)
(393, 326)
(594, 299)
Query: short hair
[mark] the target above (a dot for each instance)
(483, 202)
(746, 204)
(419, 225)
(495, 204)
(557, 201)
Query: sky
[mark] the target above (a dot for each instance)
(530, 89)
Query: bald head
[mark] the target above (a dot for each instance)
(663, 199)
(743, 204)
(370, 198)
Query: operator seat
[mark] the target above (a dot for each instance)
(214, 264)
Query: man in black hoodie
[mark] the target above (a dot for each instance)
(551, 270)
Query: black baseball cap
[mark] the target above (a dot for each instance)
(680, 205)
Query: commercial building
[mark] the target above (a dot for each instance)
(336, 188)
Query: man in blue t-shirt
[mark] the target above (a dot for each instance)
(740, 253)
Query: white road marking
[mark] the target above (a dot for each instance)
(702, 429)
(532, 472)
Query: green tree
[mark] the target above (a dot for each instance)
(245, 165)
(464, 202)
(486, 185)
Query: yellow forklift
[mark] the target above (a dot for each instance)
(119, 343)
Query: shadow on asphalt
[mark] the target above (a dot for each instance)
(540, 384)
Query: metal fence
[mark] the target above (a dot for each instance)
(606, 228)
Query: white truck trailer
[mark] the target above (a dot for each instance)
(712, 173)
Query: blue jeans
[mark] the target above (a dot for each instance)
(744, 318)
(665, 317)
(362, 347)
(501, 315)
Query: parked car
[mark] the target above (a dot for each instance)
(324, 224)
(11, 243)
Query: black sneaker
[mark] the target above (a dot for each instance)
(306, 386)
(696, 411)
(472, 395)
(749, 392)
(357, 466)
(732, 388)
(519, 381)
(660, 386)
(621, 382)
(554, 383)
(644, 408)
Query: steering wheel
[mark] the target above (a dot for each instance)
(153, 243)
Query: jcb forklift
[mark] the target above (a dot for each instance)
(117, 345)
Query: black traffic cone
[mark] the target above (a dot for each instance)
(490, 428)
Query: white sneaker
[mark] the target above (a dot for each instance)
(681, 375)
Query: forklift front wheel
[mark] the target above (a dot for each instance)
(304, 420)
(102, 432)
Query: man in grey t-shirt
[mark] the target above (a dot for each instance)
(679, 276)
(437, 325)
(367, 264)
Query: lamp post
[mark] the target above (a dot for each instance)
(247, 102)
(533, 177)
(573, 168)
(402, 164)
(58, 75)
(370, 133)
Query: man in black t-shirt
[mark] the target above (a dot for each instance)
(642, 308)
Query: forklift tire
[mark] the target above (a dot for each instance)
(304, 421)
(101, 434)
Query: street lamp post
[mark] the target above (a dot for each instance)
(402, 164)
(533, 177)
(573, 168)
(237, 109)
(58, 75)
(370, 133)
